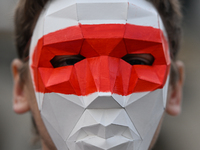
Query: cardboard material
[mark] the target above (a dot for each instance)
(165, 89)
(102, 101)
(142, 117)
(64, 14)
(39, 98)
(57, 139)
(142, 17)
(111, 11)
(59, 111)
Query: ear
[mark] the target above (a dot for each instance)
(20, 102)
(175, 92)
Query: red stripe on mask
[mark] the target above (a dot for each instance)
(102, 70)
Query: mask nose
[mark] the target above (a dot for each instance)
(103, 101)
(105, 73)
(97, 74)
(98, 81)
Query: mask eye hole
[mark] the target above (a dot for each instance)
(65, 60)
(139, 59)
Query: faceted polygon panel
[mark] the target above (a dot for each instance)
(108, 69)
(60, 80)
(123, 75)
(165, 92)
(59, 111)
(141, 13)
(103, 46)
(39, 98)
(89, 98)
(74, 98)
(144, 34)
(59, 76)
(134, 97)
(144, 5)
(137, 45)
(58, 5)
(98, 143)
(151, 76)
(122, 100)
(104, 129)
(39, 27)
(65, 15)
(119, 51)
(64, 39)
(57, 139)
(39, 84)
(145, 110)
(104, 102)
(50, 116)
(87, 50)
(149, 136)
(85, 79)
(92, 13)
(37, 53)
(45, 63)
(103, 31)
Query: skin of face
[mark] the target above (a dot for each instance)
(25, 99)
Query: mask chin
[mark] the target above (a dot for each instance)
(76, 125)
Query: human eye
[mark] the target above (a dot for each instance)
(65, 60)
(139, 59)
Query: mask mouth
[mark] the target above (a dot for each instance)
(104, 129)
(97, 143)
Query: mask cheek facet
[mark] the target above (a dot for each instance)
(62, 114)
(145, 111)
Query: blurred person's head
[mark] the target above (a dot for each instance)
(97, 74)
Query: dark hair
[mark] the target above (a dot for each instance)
(171, 15)
(26, 15)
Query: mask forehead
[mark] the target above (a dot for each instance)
(72, 13)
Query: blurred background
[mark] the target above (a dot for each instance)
(177, 133)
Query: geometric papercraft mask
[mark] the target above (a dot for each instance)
(89, 94)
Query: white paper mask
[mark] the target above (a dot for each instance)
(102, 100)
